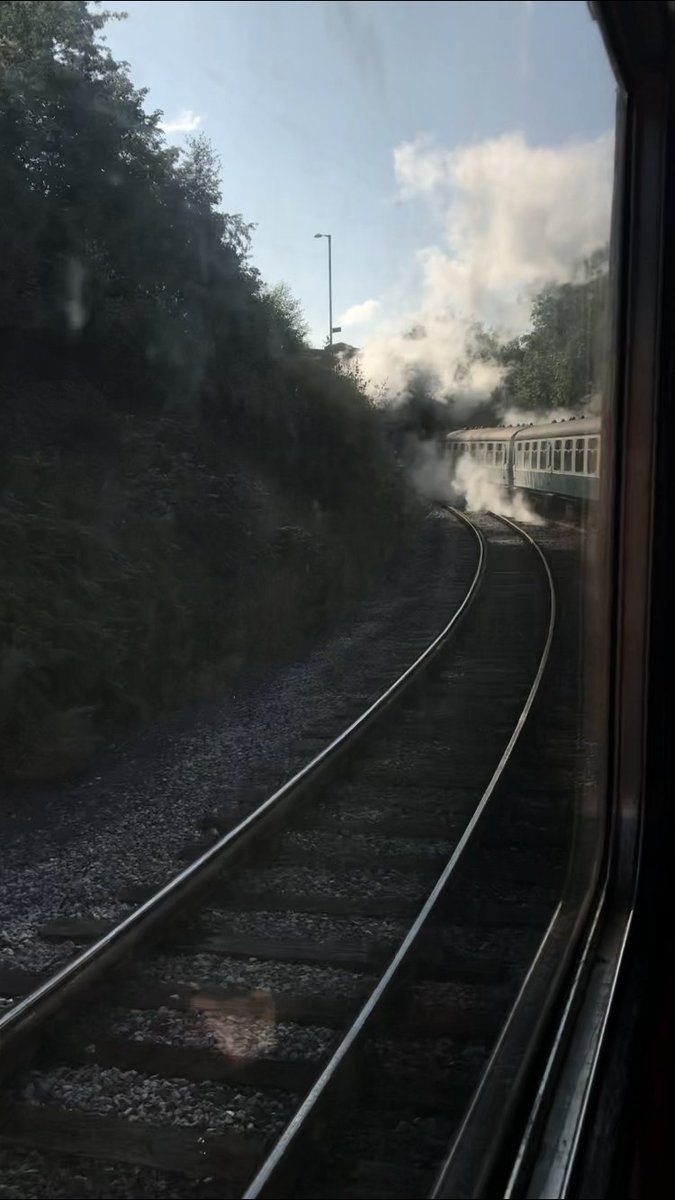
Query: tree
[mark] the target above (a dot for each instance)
(558, 363)
(287, 312)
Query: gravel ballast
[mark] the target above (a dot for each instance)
(193, 970)
(109, 1092)
(238, 1037)
(314, 882)
(71, 848)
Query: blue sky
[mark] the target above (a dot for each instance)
(307, 102)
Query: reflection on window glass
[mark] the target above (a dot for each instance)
(279, 281)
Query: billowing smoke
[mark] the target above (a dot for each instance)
(535, 416)
(482, 495)
(431, 475)
(510, 220)
(429, 471)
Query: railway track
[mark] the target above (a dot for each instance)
(343, 934)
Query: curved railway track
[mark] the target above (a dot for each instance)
(235, 1008)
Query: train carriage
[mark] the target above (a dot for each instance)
(562, 458)
(559, 458)
(491, 448)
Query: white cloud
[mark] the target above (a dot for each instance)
(511, 217)
(359, 314)
(185, 122)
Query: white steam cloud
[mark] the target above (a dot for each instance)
(483, 495)
(185, 122)
(430, 473)
(359, 314)
(511, 217)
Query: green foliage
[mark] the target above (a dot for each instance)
(182, 483)
(289, 315)
(559, 362)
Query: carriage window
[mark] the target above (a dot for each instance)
(499, 453)
(545, 456)
(557, 454)
(592, 461)
(528, 456)
(567, 455)
(535, 455)
(579, 456)
(490, 452)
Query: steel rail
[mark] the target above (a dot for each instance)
(271, 1180)
(20, 1023)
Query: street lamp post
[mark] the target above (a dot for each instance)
(331, 329)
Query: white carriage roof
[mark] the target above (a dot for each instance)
(576, 427)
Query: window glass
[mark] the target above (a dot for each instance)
(260, 262)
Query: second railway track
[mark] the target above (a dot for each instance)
(242, 993)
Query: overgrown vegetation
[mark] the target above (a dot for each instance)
(183, 483)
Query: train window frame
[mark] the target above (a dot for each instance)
(490, 453)
(568, 456)
(557, 455)
(593, 456)
(580, 449)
